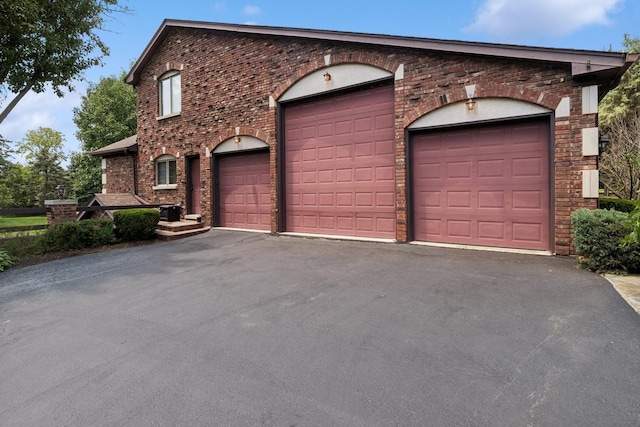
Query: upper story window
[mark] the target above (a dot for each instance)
(166, 176)
(170, 94)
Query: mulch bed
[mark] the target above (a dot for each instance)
(51, 256)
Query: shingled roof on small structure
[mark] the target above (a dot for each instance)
(126, 146)
(114, 199)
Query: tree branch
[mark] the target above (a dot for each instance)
(14, 102)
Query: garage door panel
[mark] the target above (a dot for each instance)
(459, 228)
(493, 168)
(310, 221)
(492, 230)
(309, 177)
(364, 200)
(385, 199)
(528, 199)
(365, 224)
(491, 199)
(364, 124)
(326, 129)
(384, 121)
(294, 177)
(244, 190)
(459, 199)
(310, 200)
(487, 185)
(347, 170)
(458, 169)
(387, 225)
(384, 148)
(364, 175)
(527, 232)
(344, 199)
(385, 173)
(327, 222)
(528, 167)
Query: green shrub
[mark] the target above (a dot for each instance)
(620, 205)
(598, 236)
(77, 235)
(20, 244)
(5, 260)
(136, 224)
(634, 224)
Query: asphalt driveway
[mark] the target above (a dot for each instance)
(231, 328)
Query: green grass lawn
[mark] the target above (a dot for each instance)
(22, 221)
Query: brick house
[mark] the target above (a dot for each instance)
(370, 136)
(119, 166)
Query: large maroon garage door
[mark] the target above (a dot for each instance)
(340, 165)
(485, 185)
(245, 196)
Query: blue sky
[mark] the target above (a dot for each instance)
(574, 24)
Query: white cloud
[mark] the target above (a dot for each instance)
(44, 110)
(251, 10)
(220, 6)
(518, 19)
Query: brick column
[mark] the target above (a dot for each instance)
(61, 211)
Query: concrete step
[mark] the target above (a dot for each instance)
(177, 226)
(166, 235)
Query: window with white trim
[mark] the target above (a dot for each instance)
(166, 175)
(170, 94)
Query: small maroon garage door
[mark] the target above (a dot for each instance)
(485, 185)
(340, 165)
(244, 190)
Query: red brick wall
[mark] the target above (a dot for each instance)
(61, 211)
(119, 172)
(227, 80)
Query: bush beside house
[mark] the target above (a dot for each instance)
(621, 205)
(76, 235)
(136, 224)
(599, 238)
(5, 260)
(128, 225)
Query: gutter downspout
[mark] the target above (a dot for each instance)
(133, 167)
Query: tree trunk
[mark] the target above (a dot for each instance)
(14, 102)
(631, 192)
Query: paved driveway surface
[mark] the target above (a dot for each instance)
(232, 328)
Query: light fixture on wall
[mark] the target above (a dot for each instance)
(237, 139)
(471, 104)
(327, 77)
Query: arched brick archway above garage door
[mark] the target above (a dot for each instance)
(339, 164)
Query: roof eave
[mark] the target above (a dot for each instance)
(128, 150)
(606, 77)
(125, 146)
(581, 61)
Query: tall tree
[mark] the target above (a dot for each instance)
(620, 162)
(5, 152)
(44, 41)
(624, 100)
(43, 150)
(620, 121)
(16, 187)
(106, 115)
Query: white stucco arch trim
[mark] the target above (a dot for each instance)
(485, 109)
(342, 76)
(246, 143)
